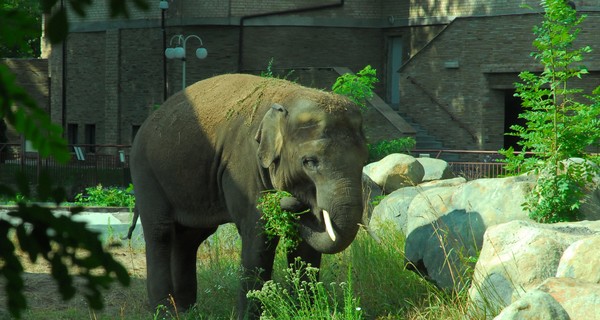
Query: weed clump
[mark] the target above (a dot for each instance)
(302, 296)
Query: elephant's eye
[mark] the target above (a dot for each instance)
(310, 163)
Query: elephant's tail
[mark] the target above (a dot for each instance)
(136, 215)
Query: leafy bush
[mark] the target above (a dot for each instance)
(358, 87)
(107, 197)
(278, 222)
(383, 148)
(559, 126)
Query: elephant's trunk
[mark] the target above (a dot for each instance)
(334, 221)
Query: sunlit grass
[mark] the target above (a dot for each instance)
(381, 285)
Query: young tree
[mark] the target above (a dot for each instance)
(559, 125)
(358, 87)
(24, 13)
(59, 240)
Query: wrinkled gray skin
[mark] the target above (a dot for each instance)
(195, 167)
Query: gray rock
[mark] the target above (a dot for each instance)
(590, 208)
(534, 305)
(395, 171)
(518, 256)
(445, 225)
(372, 194)
(579, 298)
(581, 260)
(435, 169)
(393, 209)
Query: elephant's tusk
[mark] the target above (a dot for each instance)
(328, 226)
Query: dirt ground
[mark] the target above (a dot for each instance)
(42, 295)
(218, 267)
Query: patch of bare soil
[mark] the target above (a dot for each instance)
(44, 301)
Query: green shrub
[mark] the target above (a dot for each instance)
(106, 197)
(383, 148)
(559, 126)
(358, 87)
(307, 298)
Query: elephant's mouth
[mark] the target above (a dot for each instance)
(323, 229)
(322, 218)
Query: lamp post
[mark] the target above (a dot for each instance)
(178, 52)
(163, 5)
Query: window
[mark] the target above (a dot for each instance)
(134, 130)
(90, 137)
(72, 133)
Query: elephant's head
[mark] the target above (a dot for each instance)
(315, 149)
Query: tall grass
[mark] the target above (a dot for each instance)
(366, 281)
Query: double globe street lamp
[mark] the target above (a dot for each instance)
(179, 51)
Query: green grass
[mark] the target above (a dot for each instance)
(381, 286)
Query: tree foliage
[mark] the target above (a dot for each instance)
(358, 87)
(27, 16)
(559, 125)
(61, 241)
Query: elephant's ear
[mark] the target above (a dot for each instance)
(269, 136)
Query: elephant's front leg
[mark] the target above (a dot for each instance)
(303, 251)
(258, 254)
(307, 255)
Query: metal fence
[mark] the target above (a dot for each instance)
(470, 164)
(108, 165)
(89, 165)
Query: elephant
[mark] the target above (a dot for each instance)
(206, 155)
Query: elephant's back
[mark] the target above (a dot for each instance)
(181, 142)
(222, 100)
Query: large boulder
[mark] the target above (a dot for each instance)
(519, 256)
(581, 260)
(435, 169)
(579, 298)
(445, 226)
(393, 209)
(534, 305)
(395, 171)
(590, 208)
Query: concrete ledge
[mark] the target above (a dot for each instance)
(112, 223)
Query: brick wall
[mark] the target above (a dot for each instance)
(140, 80)
(490, 52)
(32, 75)
(114, 72)
(86, 85)
(418, 11)
(114, 78)
(312, 46)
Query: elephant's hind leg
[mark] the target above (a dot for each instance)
(183, 263)
(157, 222)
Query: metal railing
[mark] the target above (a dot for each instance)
(109, 165)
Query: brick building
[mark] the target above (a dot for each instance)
(437, 60)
